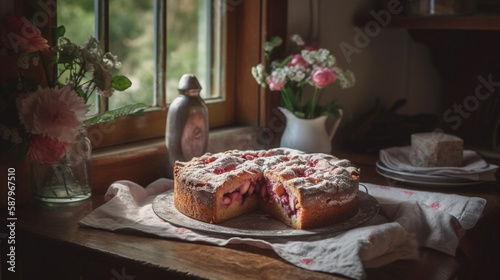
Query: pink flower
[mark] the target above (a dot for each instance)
(275, 85)
(298, 60)
(53, 112)
(46, 150)
(18, 34)
(307, 261)
(323, 77)
(435, 205)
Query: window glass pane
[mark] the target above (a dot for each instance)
(78, 19)
(189, 44)
(193, 40)
(131, 38)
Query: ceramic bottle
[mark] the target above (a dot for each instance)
(186, 133)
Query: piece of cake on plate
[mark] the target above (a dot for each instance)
(436, 149)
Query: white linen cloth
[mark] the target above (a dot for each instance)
(407, 220)
(473, 168)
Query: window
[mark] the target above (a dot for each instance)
(238, 30)
(157, 41)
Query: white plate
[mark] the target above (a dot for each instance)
(422, 179)
(257, 223)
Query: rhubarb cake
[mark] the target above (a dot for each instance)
(302, 190)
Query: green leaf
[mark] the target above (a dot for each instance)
(289, 99)
(120, 83)
(299, 114)
(285, 61)
(110, 116)
(273, 43)
(310, 109)
(80, 92)
(60, 31)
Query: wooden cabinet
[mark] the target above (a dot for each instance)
(465, 51)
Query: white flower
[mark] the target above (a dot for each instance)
(92, 45)
(330, 61)
(309, 56)
(280, 74)
(297, 39)
(24, 61)
(322, 55)
(296, 73)
(259, 74)
(346, 78)
(11, 134)
(111, 61)
(36, 60)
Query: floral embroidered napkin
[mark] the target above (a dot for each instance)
(407, 220)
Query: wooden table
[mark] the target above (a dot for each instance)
(49, 244)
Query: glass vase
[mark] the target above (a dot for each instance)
(67, 180)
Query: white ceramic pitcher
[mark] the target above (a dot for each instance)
(308, 135)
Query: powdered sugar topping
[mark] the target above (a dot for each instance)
(307, 172)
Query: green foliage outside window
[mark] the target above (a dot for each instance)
(131, 38)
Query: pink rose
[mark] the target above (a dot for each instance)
(18, 34)
(323, 77)
(298, 60)
(46, 150)
(275, 85)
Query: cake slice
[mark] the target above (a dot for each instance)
(311, 193)
(435, 149)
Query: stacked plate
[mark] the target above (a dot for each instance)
(394, 164)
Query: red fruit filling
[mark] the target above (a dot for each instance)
(210, 159)
(283, 200)
(247, 189)
(220, 170)
(265, 189)
(299, 172)
(304, 172)
(313, 163)
(250, 156)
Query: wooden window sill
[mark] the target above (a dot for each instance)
(145, 161)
